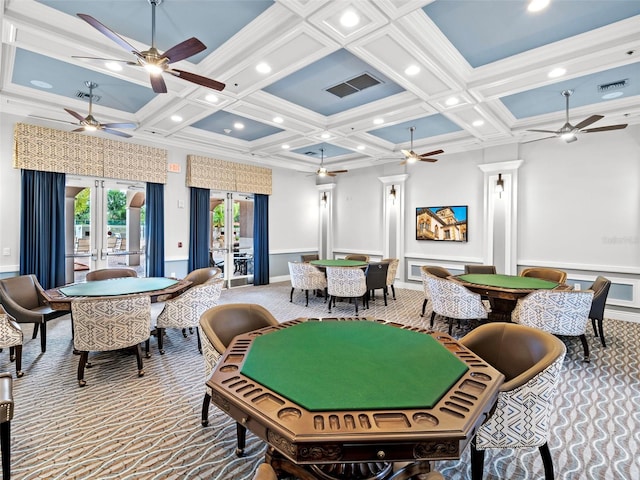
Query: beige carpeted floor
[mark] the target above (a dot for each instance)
(123, 427)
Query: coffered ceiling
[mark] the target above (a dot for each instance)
(464, 73)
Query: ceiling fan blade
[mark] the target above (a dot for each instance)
(157, 83)
(330, 174)
(538, 139)
(184, 50)
(119, 125)
(107, 32)
(338, 171)
(430, 154)
(406, 153)
(404, 162)
(605, 129)
(543, 131)
(198, 79)
(116, 132)
(53, 119)
(81, 129)
(588, 121)
(429, 160)
(75, 114)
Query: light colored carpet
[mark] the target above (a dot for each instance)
(123, 427)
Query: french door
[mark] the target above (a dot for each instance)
(104, 226)
(231, 236)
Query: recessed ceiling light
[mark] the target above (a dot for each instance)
(211, 98)
(40, 84)
(412, 70)
(176, 118)
(378, 121)
(263, 67)
(557, 72)
(451, 101)
(113, 66)
(325, 135)
(238, 125)
(478, 123)
(361, 147)
(278, 119)
(285, 147)
(610, 95)
(349, 19)
(537, 5)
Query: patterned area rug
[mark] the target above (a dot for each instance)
(123, 427)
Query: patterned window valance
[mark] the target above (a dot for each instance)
(204, 172)
(49, 150)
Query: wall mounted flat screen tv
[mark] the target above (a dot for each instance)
(442, 224)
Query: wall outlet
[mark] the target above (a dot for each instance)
(6, 251)
(577, 286)
(173, 275)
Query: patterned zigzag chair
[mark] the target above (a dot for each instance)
(185, 310)
(427, 271)
(11, 336)
(103, 324)
(346, 282)
(531, 361)
(560, 312)
(219, 326)
(391, 273)
(306, 277)
(453, 301)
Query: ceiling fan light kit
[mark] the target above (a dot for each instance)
(323, 172)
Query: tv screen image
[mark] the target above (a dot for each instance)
(443, 224)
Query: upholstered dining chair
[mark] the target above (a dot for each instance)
(560, 312)
(531, 361)
(427, 271)
(185, 310)
(107, 273)
(346, 282)
(453, 301)
(103, 324)
(551, 274)
(265, 472)
(600, 288)
(391, 274)
(202, 275)
(485, 269)
(22, 298)
(219, 326)
(6, 415)
(309, 257)
(306, 277)
(357, 256)
(11, 337)
(376, 278)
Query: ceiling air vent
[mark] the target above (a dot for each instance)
(83, 95)
(309, 153)
(354, 85)
(607, 87)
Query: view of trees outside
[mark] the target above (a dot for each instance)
(116, 209)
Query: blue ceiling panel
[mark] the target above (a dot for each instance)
(478, 29)
(329, 150)
(213, 23)
(549, 98)
(426, 127)
(67, 79)
(219, 121)
(307, 87)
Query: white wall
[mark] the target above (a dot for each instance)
(9, 200)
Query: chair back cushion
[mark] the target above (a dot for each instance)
(561, 312)
(202, 275)
(309, 257)
(436, 271)
(376, 275)
(486, 269)
(110, 323)
(23, 290)
(106, 273)
(357, 256)
(452, 300)
(347, 282)
(600, 288)
(551, 274)
(185, 310)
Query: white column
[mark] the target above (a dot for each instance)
(393, 215)
(325, 219)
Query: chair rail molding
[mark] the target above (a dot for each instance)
(500, 214)
(393, 215)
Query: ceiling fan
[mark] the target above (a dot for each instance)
(412, 157)
(89, 123)
(323, 172)
(568, 132)
(152, 60)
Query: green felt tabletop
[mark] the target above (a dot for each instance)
(353, 365)
(508, 281)
(338, 263)
(117, 286)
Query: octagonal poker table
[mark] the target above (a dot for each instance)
(333, 397)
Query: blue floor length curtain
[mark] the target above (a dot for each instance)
(261, 240)
(199, 229)
(154, 228)
(42, 227)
